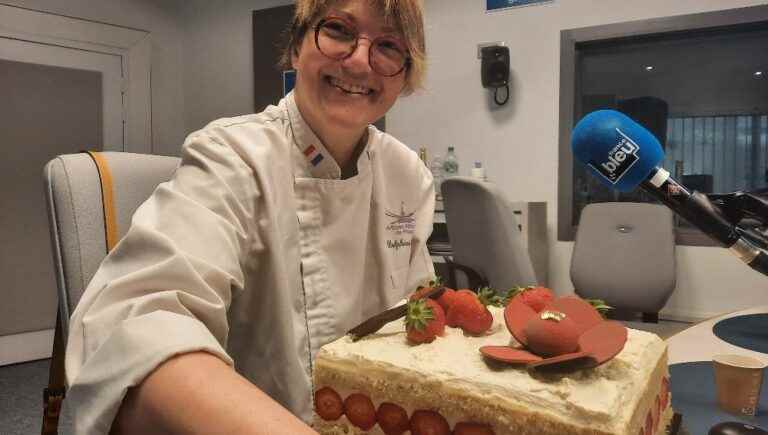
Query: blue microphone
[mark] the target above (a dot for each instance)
(617, 150)
(623, 155)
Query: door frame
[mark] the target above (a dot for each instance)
(132, 45)
(134, 48)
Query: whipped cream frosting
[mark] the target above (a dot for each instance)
(603, 397)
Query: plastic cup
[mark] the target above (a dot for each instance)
(738, 380)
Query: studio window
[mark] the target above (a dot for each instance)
(699, 83)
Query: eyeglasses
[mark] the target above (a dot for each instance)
(337, 39)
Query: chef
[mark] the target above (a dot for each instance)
(278, 232)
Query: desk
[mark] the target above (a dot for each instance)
(698, 343)
(693, 394)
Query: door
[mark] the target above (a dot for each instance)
(53, 100)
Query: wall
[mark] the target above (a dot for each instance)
(202, 70)
(160, 18)
(518, 143)
(218, 55)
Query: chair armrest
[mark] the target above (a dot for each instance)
(476, 280)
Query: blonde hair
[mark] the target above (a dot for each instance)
(406, 15)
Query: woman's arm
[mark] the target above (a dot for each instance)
(198, 393)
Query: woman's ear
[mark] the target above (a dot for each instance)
(294, 57)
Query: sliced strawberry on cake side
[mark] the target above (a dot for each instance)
(392, 418)
(328, 404)
(360, 411)
(427, 422)
(424, 321)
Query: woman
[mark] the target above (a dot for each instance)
(278, 233)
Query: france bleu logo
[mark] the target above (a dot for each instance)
(620, 159)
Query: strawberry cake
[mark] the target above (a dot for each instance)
(451, 369)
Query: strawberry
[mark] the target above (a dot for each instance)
(328, 404)
(536, 297)
(458, 297)
(424, 422)
(471, 428)
(600, 306)
(664, 392)
(392, 418)
(488, 296)
(659, 408)
(649, 423)
(360, 410)
(424, 320)
(423, 289)
(446, 299)
(469, 313)
(552, 333)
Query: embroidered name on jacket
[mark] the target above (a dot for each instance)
(397, 244)
(403, 222)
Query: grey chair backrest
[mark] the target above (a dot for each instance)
(624, 253)
(76, 214)
(484, 233)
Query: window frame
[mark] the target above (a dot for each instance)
(569, 88)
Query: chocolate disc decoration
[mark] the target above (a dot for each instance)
(509, 355)
(599, 340)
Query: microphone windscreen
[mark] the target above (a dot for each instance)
(618, 151)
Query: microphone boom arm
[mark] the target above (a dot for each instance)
(696, 208)
(737, 205)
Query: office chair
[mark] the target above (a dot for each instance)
(624, 254)
(80, 238)
(76, 213)
(484, 233)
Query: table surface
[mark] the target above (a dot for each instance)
(699, 343)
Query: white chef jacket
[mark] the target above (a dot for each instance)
(255, 251)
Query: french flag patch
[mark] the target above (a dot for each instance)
(313, 155)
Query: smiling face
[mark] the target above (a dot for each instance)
(345, 95)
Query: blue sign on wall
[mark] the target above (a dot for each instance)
(289, 80)
(495, 5)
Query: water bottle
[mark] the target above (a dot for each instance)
(437, 174)
(450, 164)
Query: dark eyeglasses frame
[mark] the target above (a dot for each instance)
(406, 63)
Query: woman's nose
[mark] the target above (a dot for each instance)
(358, 61)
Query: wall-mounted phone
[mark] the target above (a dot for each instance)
(494, 70)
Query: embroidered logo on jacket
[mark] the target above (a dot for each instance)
(403, 222)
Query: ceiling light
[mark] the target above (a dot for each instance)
(758, 73)
(649, 68)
